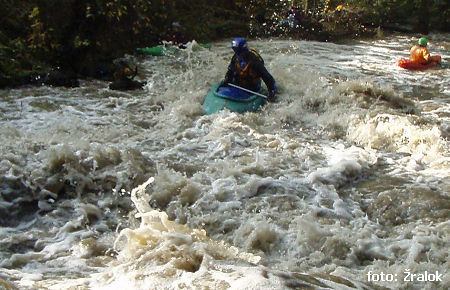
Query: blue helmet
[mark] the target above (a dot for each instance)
(239, 44)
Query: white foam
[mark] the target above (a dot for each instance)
(307, 185)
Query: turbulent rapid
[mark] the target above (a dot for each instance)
(344, 183)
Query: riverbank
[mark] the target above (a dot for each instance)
(39, 45)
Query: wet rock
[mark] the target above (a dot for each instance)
(21, 246)
(17, 213)
(13, 188)
(126, 85)
(54, 77)
(125, 70)
(18, 203)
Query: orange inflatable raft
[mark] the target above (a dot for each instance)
(409, 64)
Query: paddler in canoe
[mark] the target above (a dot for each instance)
(246, 69)
(419, 53)
(420, 58)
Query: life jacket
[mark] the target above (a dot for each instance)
(248, 77)
(420, 54)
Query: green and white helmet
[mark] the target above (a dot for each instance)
(423, 41)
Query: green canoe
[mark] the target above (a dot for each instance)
(160, 50)
(233, 99)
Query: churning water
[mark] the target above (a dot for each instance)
(342, 184)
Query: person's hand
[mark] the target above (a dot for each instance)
(272, 96)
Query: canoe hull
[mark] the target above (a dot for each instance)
(408, 64)
(215, 102)
(158, 50)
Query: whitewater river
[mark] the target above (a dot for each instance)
(344, 183)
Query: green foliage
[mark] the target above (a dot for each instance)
(422, 15)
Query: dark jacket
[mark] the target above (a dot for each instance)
(250, 74)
